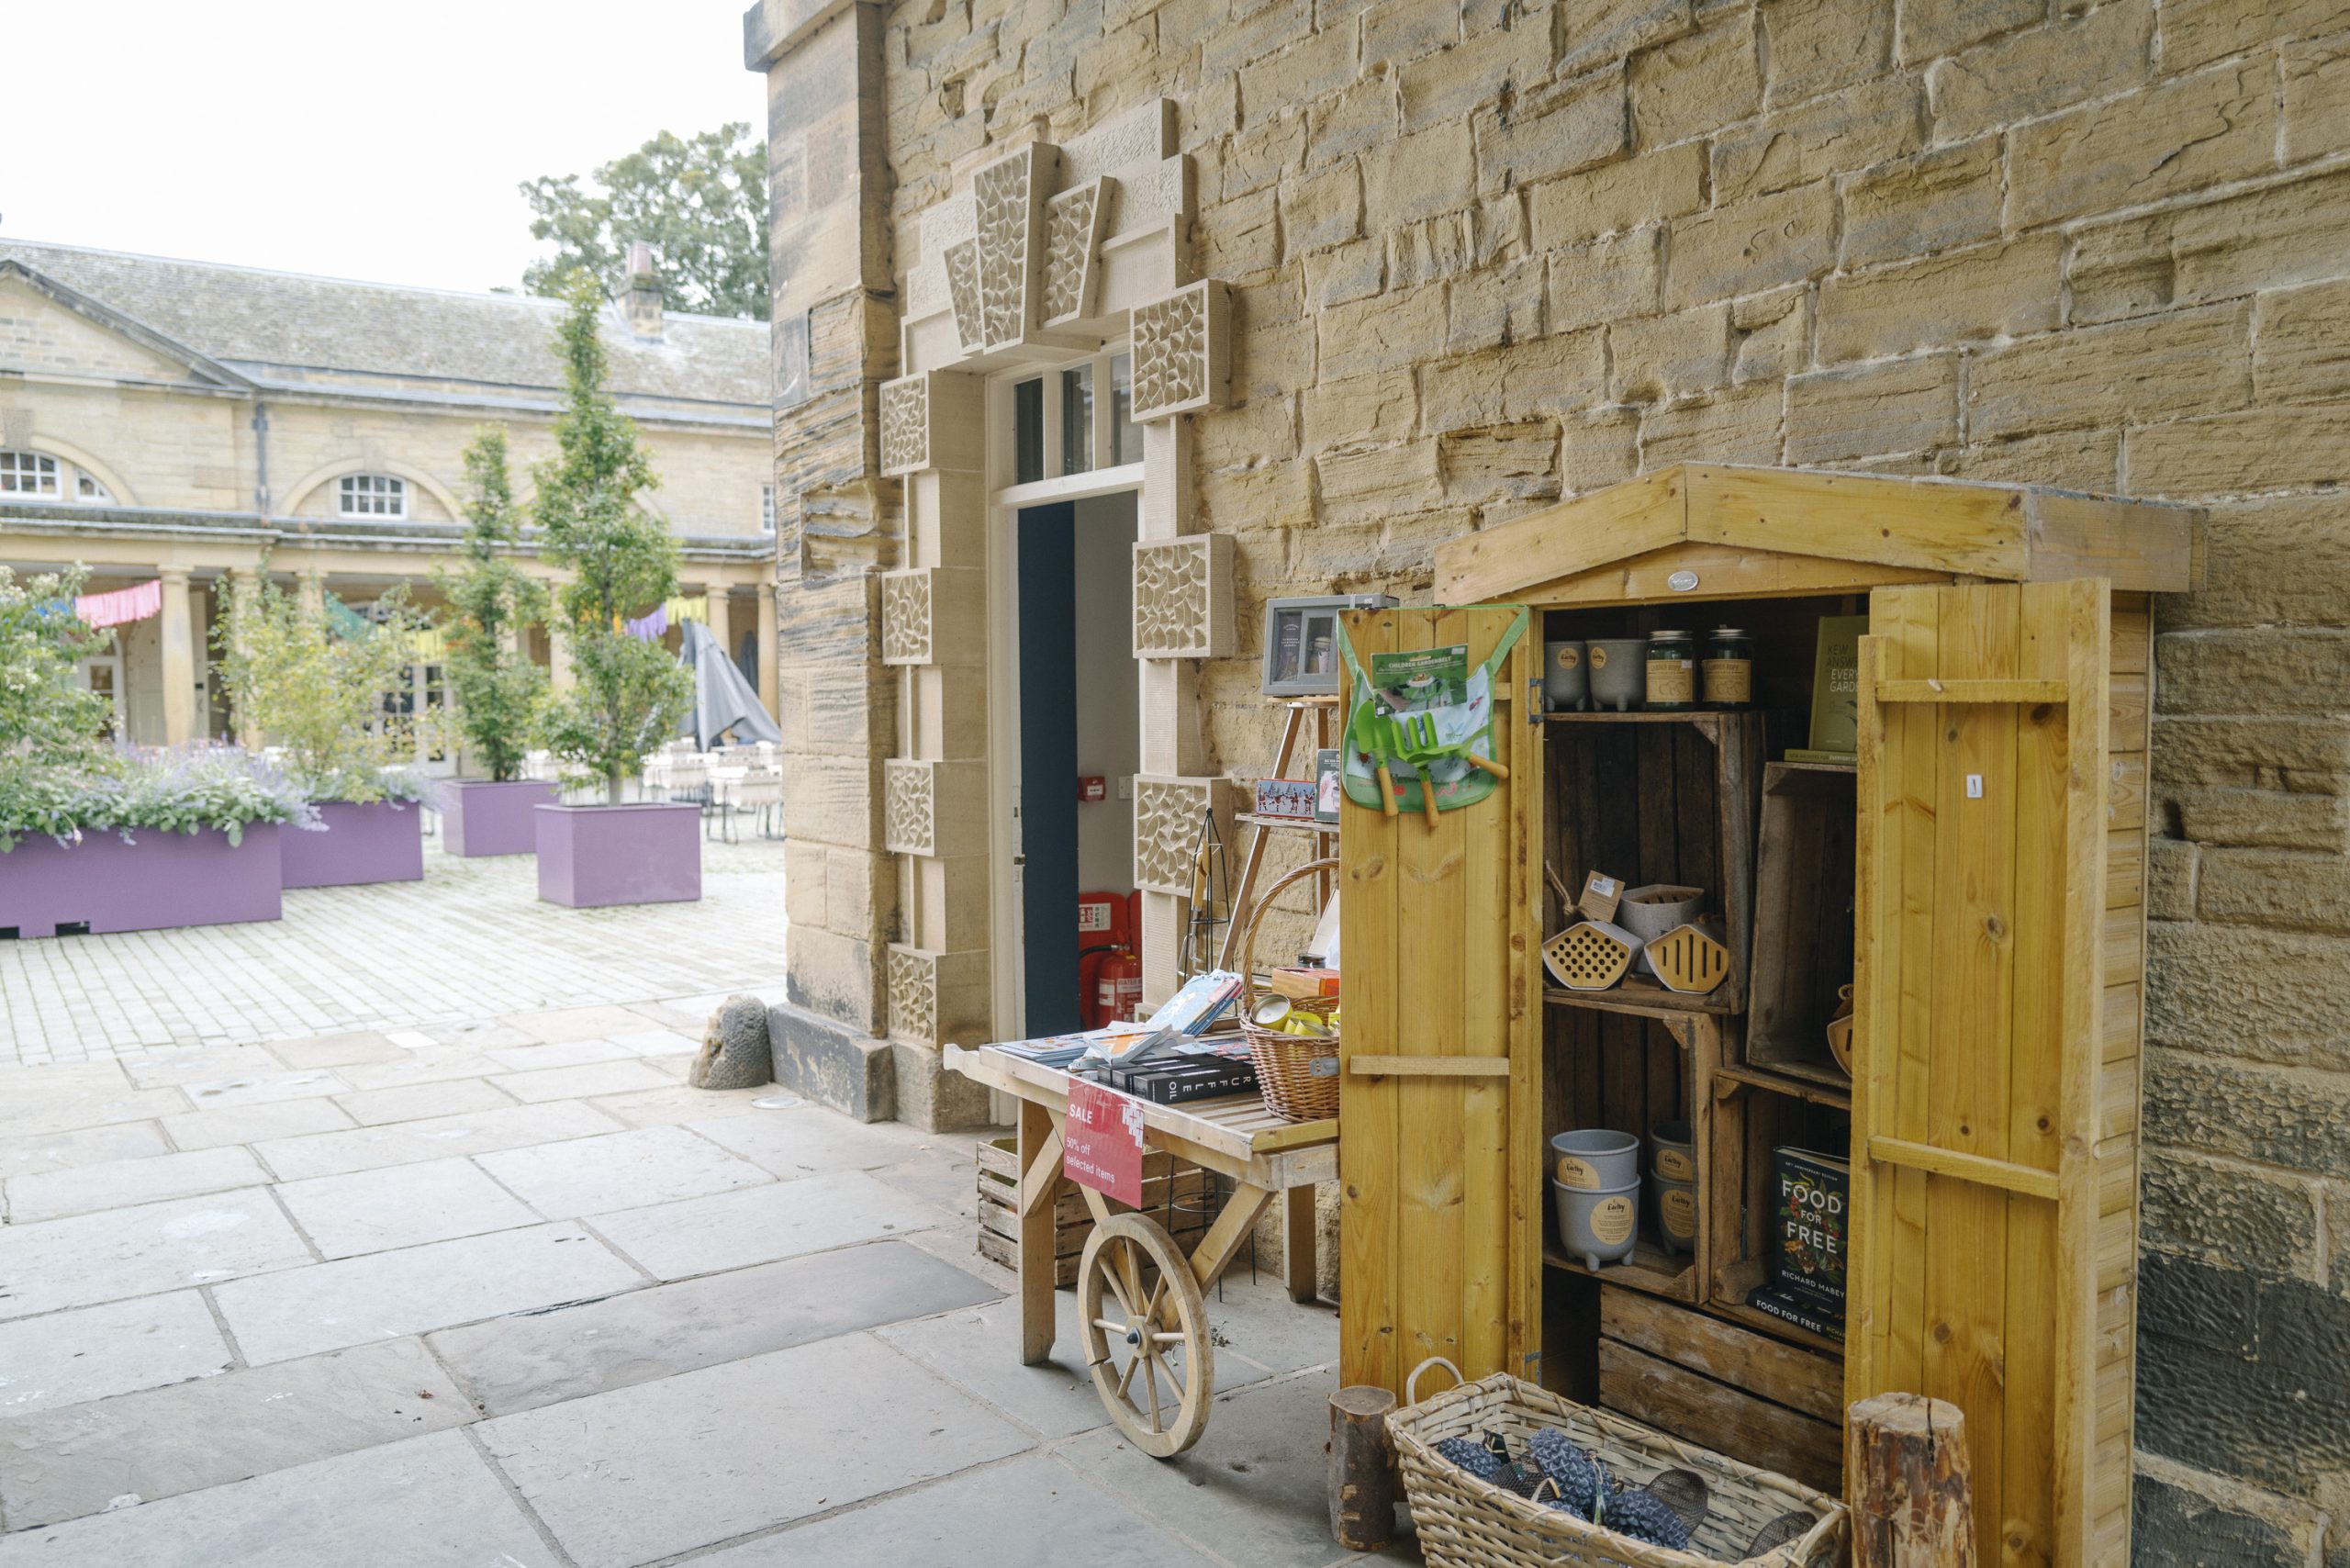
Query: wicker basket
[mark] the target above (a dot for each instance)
(1467, 1523)
(1297, 1074)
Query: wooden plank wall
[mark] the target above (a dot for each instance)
(1985, 947)
(1439, 1239)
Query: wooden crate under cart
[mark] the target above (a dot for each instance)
(1177, 1194)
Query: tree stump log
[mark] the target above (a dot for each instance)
(1909, 1484)
(1362, 1469)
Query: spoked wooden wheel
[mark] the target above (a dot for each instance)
(1146, 1334)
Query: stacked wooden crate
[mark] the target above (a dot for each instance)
(1178, 1194)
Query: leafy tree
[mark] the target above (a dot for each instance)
(46, 718)
(498, 688)
(330, 700)
(701, 202)
(629, 694)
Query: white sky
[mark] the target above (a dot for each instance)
(372, 142)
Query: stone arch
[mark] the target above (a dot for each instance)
(104, 473)
(302, 489)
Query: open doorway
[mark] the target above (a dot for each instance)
(1079, 718)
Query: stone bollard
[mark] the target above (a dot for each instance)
(734, 1053)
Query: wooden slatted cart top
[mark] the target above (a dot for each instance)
(1718, 532)
(1235, 1136)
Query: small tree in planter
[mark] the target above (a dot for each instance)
(336, 704)
(500, 691)
(629, 694)
(50, 728)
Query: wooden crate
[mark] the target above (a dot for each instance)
(1753, 1115)
(1173, 1191)
(1803, 917)
(1717, 1383)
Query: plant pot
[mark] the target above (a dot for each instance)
(595, 856)
(1565, 683)
(1619, 672)
(1649, 913)
(159, 881)
(480, 817)
(1672, 1152)
(1593, 1159)
(382, 841)
(1598, 1226)
(1676, 1204)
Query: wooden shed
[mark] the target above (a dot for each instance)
(1976, 873)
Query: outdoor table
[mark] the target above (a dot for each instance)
(1138, 1296)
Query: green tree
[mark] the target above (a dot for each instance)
(487, 607)
(628, 694)
(701, 202)
(46, 717)
(333, 701)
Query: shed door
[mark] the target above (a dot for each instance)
(1975, 1170)
(1440, 1033)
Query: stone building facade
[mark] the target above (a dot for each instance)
(1460, 260)
(183, 421)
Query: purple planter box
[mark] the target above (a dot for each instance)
(590, 857)
(479, 817)
(378, 842)
(161, 880)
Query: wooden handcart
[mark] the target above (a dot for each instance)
(1141, 1305)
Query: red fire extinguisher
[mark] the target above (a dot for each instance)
(1116, 993)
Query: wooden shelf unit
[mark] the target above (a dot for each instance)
(1994, 1112)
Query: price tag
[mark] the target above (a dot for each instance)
(1101, 1141)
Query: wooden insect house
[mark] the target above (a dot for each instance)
(1957, 1215)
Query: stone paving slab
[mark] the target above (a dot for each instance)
(706, 1456)
(414, 1101)
(808, 1139)
(142, 1252)
(620, 1170)
(385, 1294)
(337, 1050)
(260, 1088)
(1028, 1512)
(66, 1464)
(424, 1502)
(90, 1146)
(524, 1362)
(93, 1353)
(252, 1124)
(406, 1143)
(589, 1077)
(759, 1225)
(401, 1205)
(437, 1065)
(87, 1189)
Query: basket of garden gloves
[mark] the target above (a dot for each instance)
(1503, 1473)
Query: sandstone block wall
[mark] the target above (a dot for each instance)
(1487, 254)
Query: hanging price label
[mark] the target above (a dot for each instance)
(1101, 1141)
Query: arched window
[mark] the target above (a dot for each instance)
(88, 487)
(27, 473)
(374, 495)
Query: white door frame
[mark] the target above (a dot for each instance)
(1007, 932)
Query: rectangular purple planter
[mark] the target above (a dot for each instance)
(590, 857)
(161, 880)
(479, 817)
(379, 842)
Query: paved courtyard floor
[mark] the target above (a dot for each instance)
(490, 1285)
(472, 937)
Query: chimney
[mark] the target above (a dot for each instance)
(643, 292)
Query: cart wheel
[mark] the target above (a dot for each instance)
(1146, 1334)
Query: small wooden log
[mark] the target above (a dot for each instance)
(1909, 1484)
(1362, 1469)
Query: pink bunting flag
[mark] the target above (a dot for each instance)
(98, 610)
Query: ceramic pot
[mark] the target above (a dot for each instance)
(1594, 1160)
(1598, 1226)
(1565, 686)
(1619, 671)
(1675, 1205)
(1672, 1152)
(1649, 913)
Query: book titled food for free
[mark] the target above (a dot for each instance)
(1814, 1205)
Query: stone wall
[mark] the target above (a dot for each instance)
(1484, 256)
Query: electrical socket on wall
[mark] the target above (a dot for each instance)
(1125, 786)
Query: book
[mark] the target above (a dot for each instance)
(1813, 1203)
(1836, 685)
(1202, 1000)
(1176, 1082)
(1787, 1308)
(1841, 759)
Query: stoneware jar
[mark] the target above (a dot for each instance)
(1565, 684)
(1618, 671)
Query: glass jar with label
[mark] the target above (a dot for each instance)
(1729, 668)
(1672, 671)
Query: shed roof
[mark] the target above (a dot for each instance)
(1815, 530)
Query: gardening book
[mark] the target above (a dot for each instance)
(1836, 688)
(1813, 1193)
(1787, 1307)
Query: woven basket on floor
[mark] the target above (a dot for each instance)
(1467, 1523)
(1297, 1074)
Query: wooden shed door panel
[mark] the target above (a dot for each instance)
(1983, 744)
(1438, 1247)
